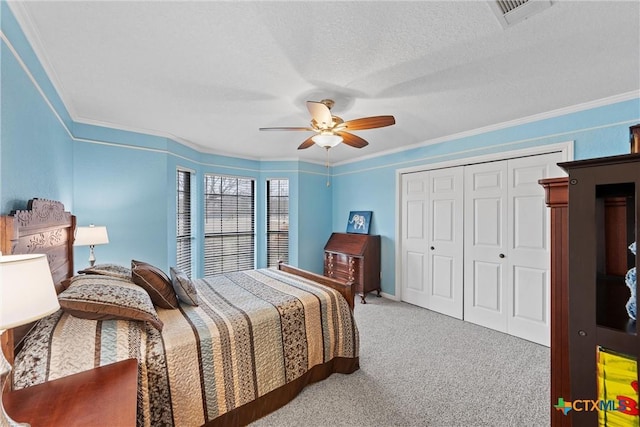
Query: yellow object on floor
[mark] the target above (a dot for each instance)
(617, 389)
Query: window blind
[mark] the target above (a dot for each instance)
(229, 223)
(277, 221)
(183, 222)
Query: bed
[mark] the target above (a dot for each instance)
(233, 348)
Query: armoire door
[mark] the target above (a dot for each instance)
(432, 239)
(507, 280)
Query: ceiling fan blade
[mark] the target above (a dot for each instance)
(352, 140)
(320, 113)
(306, 144)
(369, 122)
(286, 128)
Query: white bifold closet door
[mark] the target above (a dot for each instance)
(506, 246)
(475, 243)
(432, 240)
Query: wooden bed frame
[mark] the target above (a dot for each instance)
(346, 289)
(43, 228)
(46, 228)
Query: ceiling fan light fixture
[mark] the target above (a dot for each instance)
(332, 130)
(327, 140)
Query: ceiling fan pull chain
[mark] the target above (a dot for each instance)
(328, 182)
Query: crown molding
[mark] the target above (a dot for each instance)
(145, 131)
(627, 96)
(32, 35)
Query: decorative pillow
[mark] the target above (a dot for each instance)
(103, 298)
(184, 288)
(113, 270)
(155, 282)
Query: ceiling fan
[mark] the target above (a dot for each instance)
(332, 130)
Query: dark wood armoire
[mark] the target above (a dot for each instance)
(557, 198)
(354, 258)
(594, 218)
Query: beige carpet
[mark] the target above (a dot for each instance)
(420, 368)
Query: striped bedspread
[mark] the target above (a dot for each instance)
(253, 332)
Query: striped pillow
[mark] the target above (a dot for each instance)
(99, 297)
(184, 287)
(155, 282)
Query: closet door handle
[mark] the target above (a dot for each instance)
(432, 248)
(501, 255)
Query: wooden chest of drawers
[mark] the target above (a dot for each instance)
(354, 258)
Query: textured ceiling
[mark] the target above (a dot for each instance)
(209, 74)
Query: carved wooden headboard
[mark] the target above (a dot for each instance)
(43, 228)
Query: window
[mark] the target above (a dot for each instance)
(229, 224)
(183, 222)
(277, 221)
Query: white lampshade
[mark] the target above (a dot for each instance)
(27, 292)
(327, 140)
(91, 235)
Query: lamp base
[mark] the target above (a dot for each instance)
(5, 370)
(92, 256)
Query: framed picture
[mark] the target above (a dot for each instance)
(359, 222)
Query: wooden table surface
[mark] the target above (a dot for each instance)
(105, 396)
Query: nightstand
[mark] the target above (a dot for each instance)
(102, 396)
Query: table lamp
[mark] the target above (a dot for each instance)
(91, 236)
(27, 294)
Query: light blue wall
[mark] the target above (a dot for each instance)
(310, 206)
(36, 156)
(371, 184)
(126, 180)
(370, 190)
(126, 190)
(314, 218)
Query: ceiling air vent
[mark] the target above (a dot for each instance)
(510, 12)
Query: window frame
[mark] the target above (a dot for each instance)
(224, 243)
(185, 258)
(281, 253)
